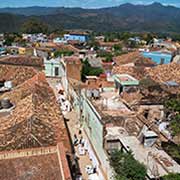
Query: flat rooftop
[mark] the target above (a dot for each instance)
(126, 79)
(111, 104)
(158, 162)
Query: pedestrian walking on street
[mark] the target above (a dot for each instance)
(75, 141)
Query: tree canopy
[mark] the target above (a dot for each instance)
(172, 176)
(173, 106)
(88, 70)
(59, 53)
(126, 167)
(108, 57)
(10, 38)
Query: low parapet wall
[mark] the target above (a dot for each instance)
(63, 162)
(59, 150)
(28, 152)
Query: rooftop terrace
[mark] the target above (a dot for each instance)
(110, 104)
(126, 79)
(158, 162)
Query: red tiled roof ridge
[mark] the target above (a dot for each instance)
(36, 79)
(16, 74)
(23, 60)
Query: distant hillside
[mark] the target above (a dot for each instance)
(126, 17)
(29, 11)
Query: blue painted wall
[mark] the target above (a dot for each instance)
(76, 37)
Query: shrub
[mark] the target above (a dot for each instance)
(126, 167)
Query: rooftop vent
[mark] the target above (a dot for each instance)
(8, 84)
(93, 93)
(147, 137)
(5, 86)
(5, 103)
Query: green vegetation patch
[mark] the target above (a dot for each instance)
(172, 177)
(88, 70)
(60, 53)
(126, 167)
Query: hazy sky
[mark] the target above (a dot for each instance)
(79, 3)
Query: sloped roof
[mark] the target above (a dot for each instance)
(67, 47)
(40, 167)
(161, 73)
(164, 73)
(36, 120)
(16, 74)
(136, 72)
(21, 60)
(133, 57)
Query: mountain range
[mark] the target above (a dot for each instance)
(127, 17)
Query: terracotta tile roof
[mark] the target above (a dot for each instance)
(42, 167)
(16, 74)
(68, 47)
(137, 72)
(108, 44)
(34, 123)
(48, 45)
(133, 57)
(78, 33)
(22, 61)
(160, 73)
(42, 163)
(46, 49)
(36, 120)
(164, 73)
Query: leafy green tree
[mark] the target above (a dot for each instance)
(108, 56)
(9, 39)
(176, 37)
(117, 47)
(172, 176)
(59, 53)
(173, 106)
(148, 37)
(87, 70)
(126, 167)
(93, 43)
(125, 36)
(33, 26)
(175, 125)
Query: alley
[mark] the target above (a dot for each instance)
(74, 127)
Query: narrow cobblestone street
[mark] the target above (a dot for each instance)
(74, 127)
